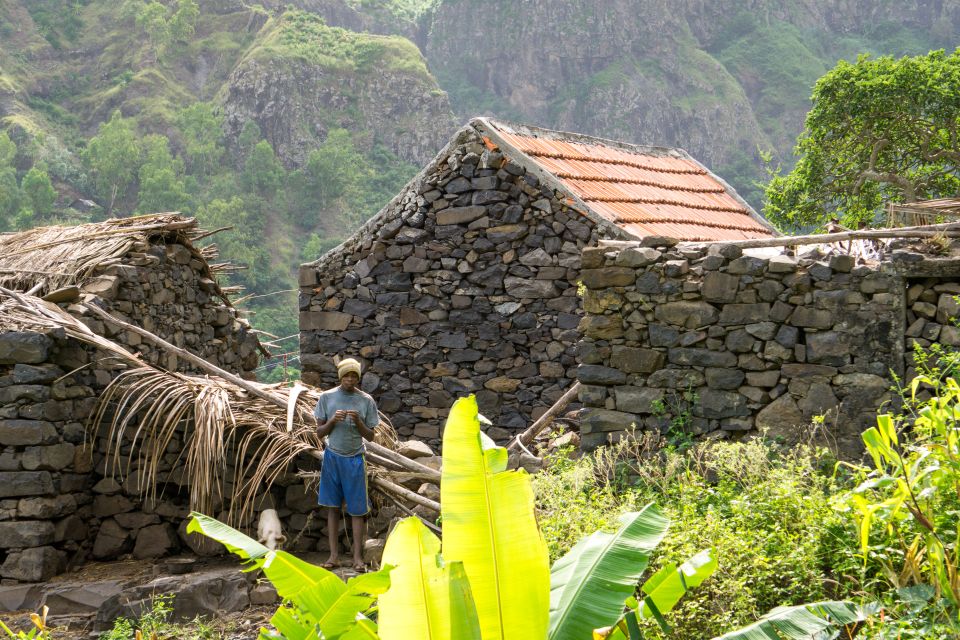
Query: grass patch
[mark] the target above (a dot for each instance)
(299, 35)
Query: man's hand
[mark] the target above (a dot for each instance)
(327, 427)
(361, 425)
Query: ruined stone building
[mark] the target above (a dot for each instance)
(60, 501)
(713, 339)
(467, 281)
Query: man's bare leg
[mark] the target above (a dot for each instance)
(333, 536)
(359, 536)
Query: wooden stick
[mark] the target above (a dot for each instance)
(544, 421)
(405, 462)
(253, 389)
(379, 483)
(949, 229)
(407, 510)
(412, 496)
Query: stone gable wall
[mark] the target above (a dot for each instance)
(711, 341)
(59, 503)
(466, 283)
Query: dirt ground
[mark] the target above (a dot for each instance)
(234, 625)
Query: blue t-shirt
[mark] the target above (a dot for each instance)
(345, 438)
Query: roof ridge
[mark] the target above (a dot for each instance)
(696, 223)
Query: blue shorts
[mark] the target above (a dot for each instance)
(344, 479)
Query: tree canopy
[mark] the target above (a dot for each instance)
(165, 26)
(112, 157)
(881, 130)
(202, 130)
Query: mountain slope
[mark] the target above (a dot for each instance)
(725, 79)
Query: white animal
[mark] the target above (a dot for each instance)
(269, 531)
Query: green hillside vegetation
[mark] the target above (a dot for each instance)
(142, 134)
(300, 35)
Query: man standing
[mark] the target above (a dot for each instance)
(346, 415)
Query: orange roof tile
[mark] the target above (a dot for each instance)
(655, 192)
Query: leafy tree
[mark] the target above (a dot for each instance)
(243, 245)
(335, 166)
(112, 157)
(152, 18)
(161, 186)
(249, 136)
(880, 130)
(9, 190)
(183, 22)
(262, 172)
(202, 130)
(9, 197)
(38, 190)
(8, 150)
(164, 28)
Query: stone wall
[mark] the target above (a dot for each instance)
(711, 341)
(465, 283)
(59, 501)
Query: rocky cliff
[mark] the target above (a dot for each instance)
(303, 78)
(723, 79)
(287, 70)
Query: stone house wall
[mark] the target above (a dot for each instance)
(59, 501)
(465, 283)
(711, 341)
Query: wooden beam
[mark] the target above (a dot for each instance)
(949, 229)
(525, 438)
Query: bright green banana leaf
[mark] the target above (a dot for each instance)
(665, 588)
(589, 585)
(803, 622)
(321, 600)
(427, 600)
(489, 525)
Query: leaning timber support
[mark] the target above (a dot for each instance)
(246, 385)
(521, 441)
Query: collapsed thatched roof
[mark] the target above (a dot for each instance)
(60, 256)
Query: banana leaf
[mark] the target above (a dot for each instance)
(665, 588)
(489, 525)
(589, 585)
(321, 601)
(803, 622)
(428, 599)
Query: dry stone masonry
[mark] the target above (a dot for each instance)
(466, 283)
(709, 340)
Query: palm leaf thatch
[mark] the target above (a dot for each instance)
(238, 442)
(59, 256)
(236, 445)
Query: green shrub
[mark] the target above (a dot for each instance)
(768, 515)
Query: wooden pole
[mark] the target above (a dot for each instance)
(544, 421)
(251, 388)
(949, 229)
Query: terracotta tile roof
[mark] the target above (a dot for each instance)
(643, 190)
